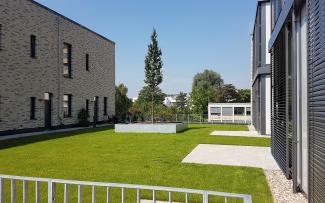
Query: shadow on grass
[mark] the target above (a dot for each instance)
(15, 142)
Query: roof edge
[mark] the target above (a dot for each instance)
(70, 20)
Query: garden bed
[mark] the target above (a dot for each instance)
(150, 128)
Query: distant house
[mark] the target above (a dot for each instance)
(50, 68)
(170, 100)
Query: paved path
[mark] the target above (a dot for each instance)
(7, 137)
(259, 157)
(150, 201)
(239, 134)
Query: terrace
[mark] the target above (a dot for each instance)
(101, 155)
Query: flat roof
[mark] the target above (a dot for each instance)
(72, 21)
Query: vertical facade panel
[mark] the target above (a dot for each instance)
(316, 99)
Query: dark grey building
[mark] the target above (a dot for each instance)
(261, 60)
(297, 47)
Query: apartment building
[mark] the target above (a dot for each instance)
(261, 69)
(297, 47)
(50, 68)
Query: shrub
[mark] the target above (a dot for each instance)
(83, 117)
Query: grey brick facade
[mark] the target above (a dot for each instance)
(23, 77)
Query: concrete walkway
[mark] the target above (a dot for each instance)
(7, 137)
(239, 134)
(259, 157)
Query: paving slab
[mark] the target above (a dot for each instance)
(239, 134)
(151, 201)
(232, 155)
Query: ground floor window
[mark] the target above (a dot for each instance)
(215, 111)
(239, 110)
(67, 105)
(248, 111)
(32, 108)
(87, 105)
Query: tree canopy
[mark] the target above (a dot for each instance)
(153, 71)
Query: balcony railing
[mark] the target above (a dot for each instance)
(52, 196)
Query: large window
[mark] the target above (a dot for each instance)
(32, 108)
(33, 46)
(215, 111)
(105, 106)
(67, 49)
(67, 105)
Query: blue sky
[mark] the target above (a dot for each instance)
(193, 34)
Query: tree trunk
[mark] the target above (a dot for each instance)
(152, 112)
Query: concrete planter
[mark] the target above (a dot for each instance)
(150, 128)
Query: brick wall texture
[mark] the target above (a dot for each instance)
(22, 77)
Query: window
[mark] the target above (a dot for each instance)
(248, 111)
(32, 108)
(215, 111)
(87, 106)
(105, 106)
(0, 37)
(33, 46)
(227, 111)
(67, 105)
(67, 60)
(87, 62)
(239, 111)
(0, 108)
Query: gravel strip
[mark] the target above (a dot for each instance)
(281, 188)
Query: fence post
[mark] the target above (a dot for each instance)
(188, 118)
(2, 200)
(200, 118)
(51, 192)
(205, 197)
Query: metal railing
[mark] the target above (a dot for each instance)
(196, 118)
(52, 183)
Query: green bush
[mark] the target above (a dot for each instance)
(83, 117)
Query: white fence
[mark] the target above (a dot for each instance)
(52, 196)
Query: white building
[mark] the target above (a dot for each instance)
(229, 113)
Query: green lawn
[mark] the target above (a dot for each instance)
(151, 159)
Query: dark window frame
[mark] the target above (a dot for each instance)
(0, 37)
(87, 106)
(33, 46)
(32, 108)
(67, 113)
(87, 62)
(105, 106)
(67, 64)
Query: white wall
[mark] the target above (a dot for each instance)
(268, 32)
(268, 105)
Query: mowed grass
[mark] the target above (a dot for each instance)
(151, 159)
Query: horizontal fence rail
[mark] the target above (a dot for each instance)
(52, 185)
(193, 118)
